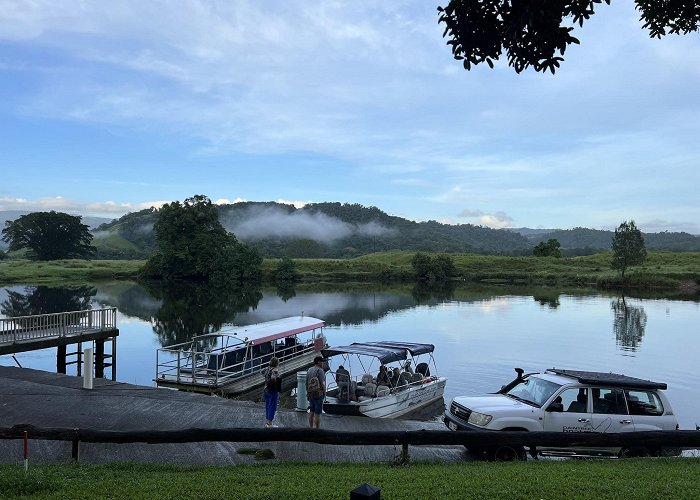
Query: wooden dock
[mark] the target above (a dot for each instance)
(47, 400)
(43, 331)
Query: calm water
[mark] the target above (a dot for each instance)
(480, 335)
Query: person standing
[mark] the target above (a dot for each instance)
(316, 391)
(273, 386)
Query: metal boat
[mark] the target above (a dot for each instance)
(229, 362)
(363, 394)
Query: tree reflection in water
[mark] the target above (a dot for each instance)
(187, 310)
(46, 300)
(424, 293)
(551, 301)
(629, 324)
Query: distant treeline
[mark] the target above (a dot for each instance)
(341, 230)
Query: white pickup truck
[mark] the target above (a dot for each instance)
(565, 401)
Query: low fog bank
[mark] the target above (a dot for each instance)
(272, 222)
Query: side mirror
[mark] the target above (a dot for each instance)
(556, 407)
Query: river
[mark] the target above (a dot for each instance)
(480, 334)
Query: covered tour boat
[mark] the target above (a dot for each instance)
(364, 394)
(229, 362)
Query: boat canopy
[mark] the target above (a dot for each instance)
(385, 351)
(259, 333)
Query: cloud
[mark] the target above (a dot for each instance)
(109, 209)
(497, 220)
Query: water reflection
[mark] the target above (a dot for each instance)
(46, 300)
(189, 310)
(551, 301)
(629, 324)
(424, 293)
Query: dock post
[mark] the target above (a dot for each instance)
(61, 359)
(302, 403)
(100, 358)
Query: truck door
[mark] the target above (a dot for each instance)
(575, 417)
(610, 412)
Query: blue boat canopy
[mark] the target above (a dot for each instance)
(385, 352)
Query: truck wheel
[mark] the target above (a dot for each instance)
(506, 453)
(634, 451)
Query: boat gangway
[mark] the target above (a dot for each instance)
(42, 331)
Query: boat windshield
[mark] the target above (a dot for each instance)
(533, 390)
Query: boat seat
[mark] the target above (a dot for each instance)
(383, 390)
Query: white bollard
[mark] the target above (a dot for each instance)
(302, 403)
(88, 367)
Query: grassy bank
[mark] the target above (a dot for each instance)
(67, 271)
(661, 271)
(632, 478)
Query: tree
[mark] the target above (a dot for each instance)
(628, 247)
(531, 32)
(49, 236)
(193, 245)
(549, 249)
(422, 266)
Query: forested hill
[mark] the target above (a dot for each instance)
(334, 230)
(581, 240)
(331, 230)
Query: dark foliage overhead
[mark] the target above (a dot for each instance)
(532, 33)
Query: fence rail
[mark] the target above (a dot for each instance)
(671, 439)
(42, 326)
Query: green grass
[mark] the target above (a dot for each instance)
(572, 479)
(661, 271)
(66, 271)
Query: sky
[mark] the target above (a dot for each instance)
(108, 108)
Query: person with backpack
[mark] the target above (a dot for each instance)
(316, 391)
(273, 386)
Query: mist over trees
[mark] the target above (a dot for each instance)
(49, 236)
(341, 230)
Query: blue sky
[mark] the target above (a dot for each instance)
(110, 109)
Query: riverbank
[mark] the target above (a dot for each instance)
(662, 271)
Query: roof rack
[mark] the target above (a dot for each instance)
(609, 379)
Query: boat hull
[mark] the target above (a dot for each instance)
(392, 405)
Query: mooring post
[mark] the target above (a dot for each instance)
(87, 378)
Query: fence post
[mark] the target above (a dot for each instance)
(75, 450)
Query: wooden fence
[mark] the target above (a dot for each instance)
(667, 439)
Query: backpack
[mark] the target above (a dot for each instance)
(313, 387)
(272, 385)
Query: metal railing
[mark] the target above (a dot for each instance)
(40, 326)
(184, 366)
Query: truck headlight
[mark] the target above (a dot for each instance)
(479, 419)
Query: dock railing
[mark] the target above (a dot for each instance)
(666, 439)
(40, 326)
